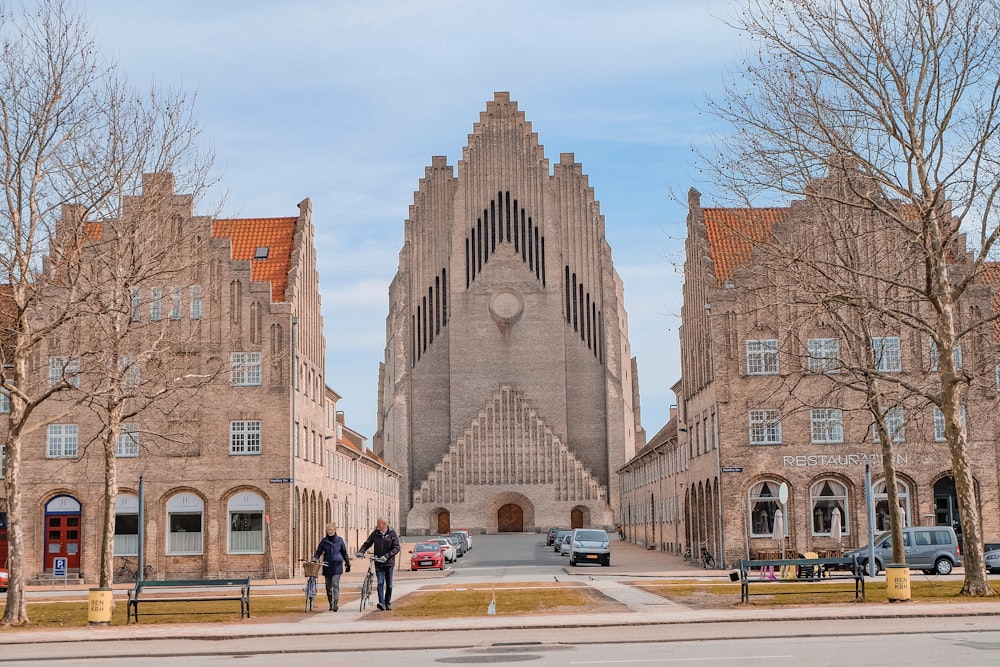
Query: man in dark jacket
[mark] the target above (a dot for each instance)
(333, 551)
(386, 543)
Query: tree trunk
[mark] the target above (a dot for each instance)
(892, 493)
(110, 494)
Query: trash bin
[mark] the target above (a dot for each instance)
(897, 582)
(100, 602)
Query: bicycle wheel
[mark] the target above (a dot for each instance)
(709, 562)
(366, 590)
(310, 593)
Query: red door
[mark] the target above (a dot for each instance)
(3, 539)
(62, 532)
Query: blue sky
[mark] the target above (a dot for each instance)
(346, 103)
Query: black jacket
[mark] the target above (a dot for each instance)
(386, 544)
(333, 551)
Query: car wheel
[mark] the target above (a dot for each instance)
(572, 561)
(413, 569)
(943, 566)
(606, 563)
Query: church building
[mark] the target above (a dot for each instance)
(508, 397)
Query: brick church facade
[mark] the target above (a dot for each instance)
(508, 397)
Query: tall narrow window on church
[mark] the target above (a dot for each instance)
(467, 276)
(507, 214)
(524, 238)
(568, 307)
(581, 314)
(493, 226)
(479, 245)
(486, 233)
(420, 337)
(543, 261)
(600, 330)
(517, 226)
(593, 318)
(575, 320)
(413, 339)
(531, 248)
(430, 315)
(588, 319)
(426, 326)
(437, 305)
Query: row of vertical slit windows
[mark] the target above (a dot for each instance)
(431, 315)
(583, 315)
(500, 223)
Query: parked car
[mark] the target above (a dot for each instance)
(564, 545)
(468, 537)
(560, 536)
(589, 545)
(457, 543)
(447, 548)
(464, 537)
(427, 556)
(993, 561)
(4, 578)
(550, 539)
(933, 549)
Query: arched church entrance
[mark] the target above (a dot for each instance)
(510, 518)
(576, 518)
(444, 522)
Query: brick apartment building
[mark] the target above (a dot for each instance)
(758, 408)
(508, 397)
(239, 476)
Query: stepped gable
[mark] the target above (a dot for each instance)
(509, 444)
(275, 234)
(733, 233)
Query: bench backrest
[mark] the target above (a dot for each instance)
(190, 583)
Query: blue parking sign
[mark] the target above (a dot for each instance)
(58, 567)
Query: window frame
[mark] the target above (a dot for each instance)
(888, 354)
(246, 369)
(939, 426)
(895, 423)
(248, 506)
(241, 437)
(762, 356)
(826, 426)
(823, 355)
(765, 422)
(67, 368)
(127, 445)
(772, 503)
(68, 433)
(185, 504)
(841, 502)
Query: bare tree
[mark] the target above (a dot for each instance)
(71, 133)
(906, 96)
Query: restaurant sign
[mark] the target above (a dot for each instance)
(839, 460)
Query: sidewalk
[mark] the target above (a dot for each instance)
(638, 608)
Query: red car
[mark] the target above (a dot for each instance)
(427, 556)
(3, 580)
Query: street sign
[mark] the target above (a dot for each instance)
(281, 480)
(59, 567)
(732, 469)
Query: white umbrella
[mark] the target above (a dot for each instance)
(779, 530)
(835, 529)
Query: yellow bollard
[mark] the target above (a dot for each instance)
(897, 582)
(100, 603)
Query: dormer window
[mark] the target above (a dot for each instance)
(261, 252)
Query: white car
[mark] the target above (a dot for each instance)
(447, 548)
(566, 545)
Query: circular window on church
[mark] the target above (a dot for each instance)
(506, 306)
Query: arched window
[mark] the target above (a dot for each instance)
(246, 523)
(825, 496)
(882, 503)
(763, 504)
(126, 524)
(184, 521)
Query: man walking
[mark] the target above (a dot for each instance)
(386, 543)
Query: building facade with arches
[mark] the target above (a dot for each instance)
(766, 401)
(508, 397)
(235, 478)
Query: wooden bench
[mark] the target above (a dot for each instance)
(182, 591)
(808, 570)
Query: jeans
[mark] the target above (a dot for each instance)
(384, 575)
(333, 588)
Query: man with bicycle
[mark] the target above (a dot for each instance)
(386, 543)
(332, 552)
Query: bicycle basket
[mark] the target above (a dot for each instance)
(312, 569)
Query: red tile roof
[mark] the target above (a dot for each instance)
(276, 234)
(733, 233)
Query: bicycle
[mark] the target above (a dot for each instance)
(369, 582)
(706, 558)
(687, 552)
(311, 570)
(127, 573)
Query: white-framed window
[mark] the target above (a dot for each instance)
(3, 455)
(887, 357)
(244, 369)
(184, 525)
(175, 303)
(824, 355)
(4, 401)
(64, 367)
(155, 303)
(882, 503)
(131, 372)
(244, 437)
(825, 496)
(939, 423)
(762, 357)
(63, 441)
(128, 441)
(765, 427)
(935, 359)
(763, 505)
(195, 306)
(826, 425)
(246, 523)
(135, 297)
(126, 524)
(894, 423)
(996, 373)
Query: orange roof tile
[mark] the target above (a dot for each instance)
(276, 234)
(991, 276)
(733, 233)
